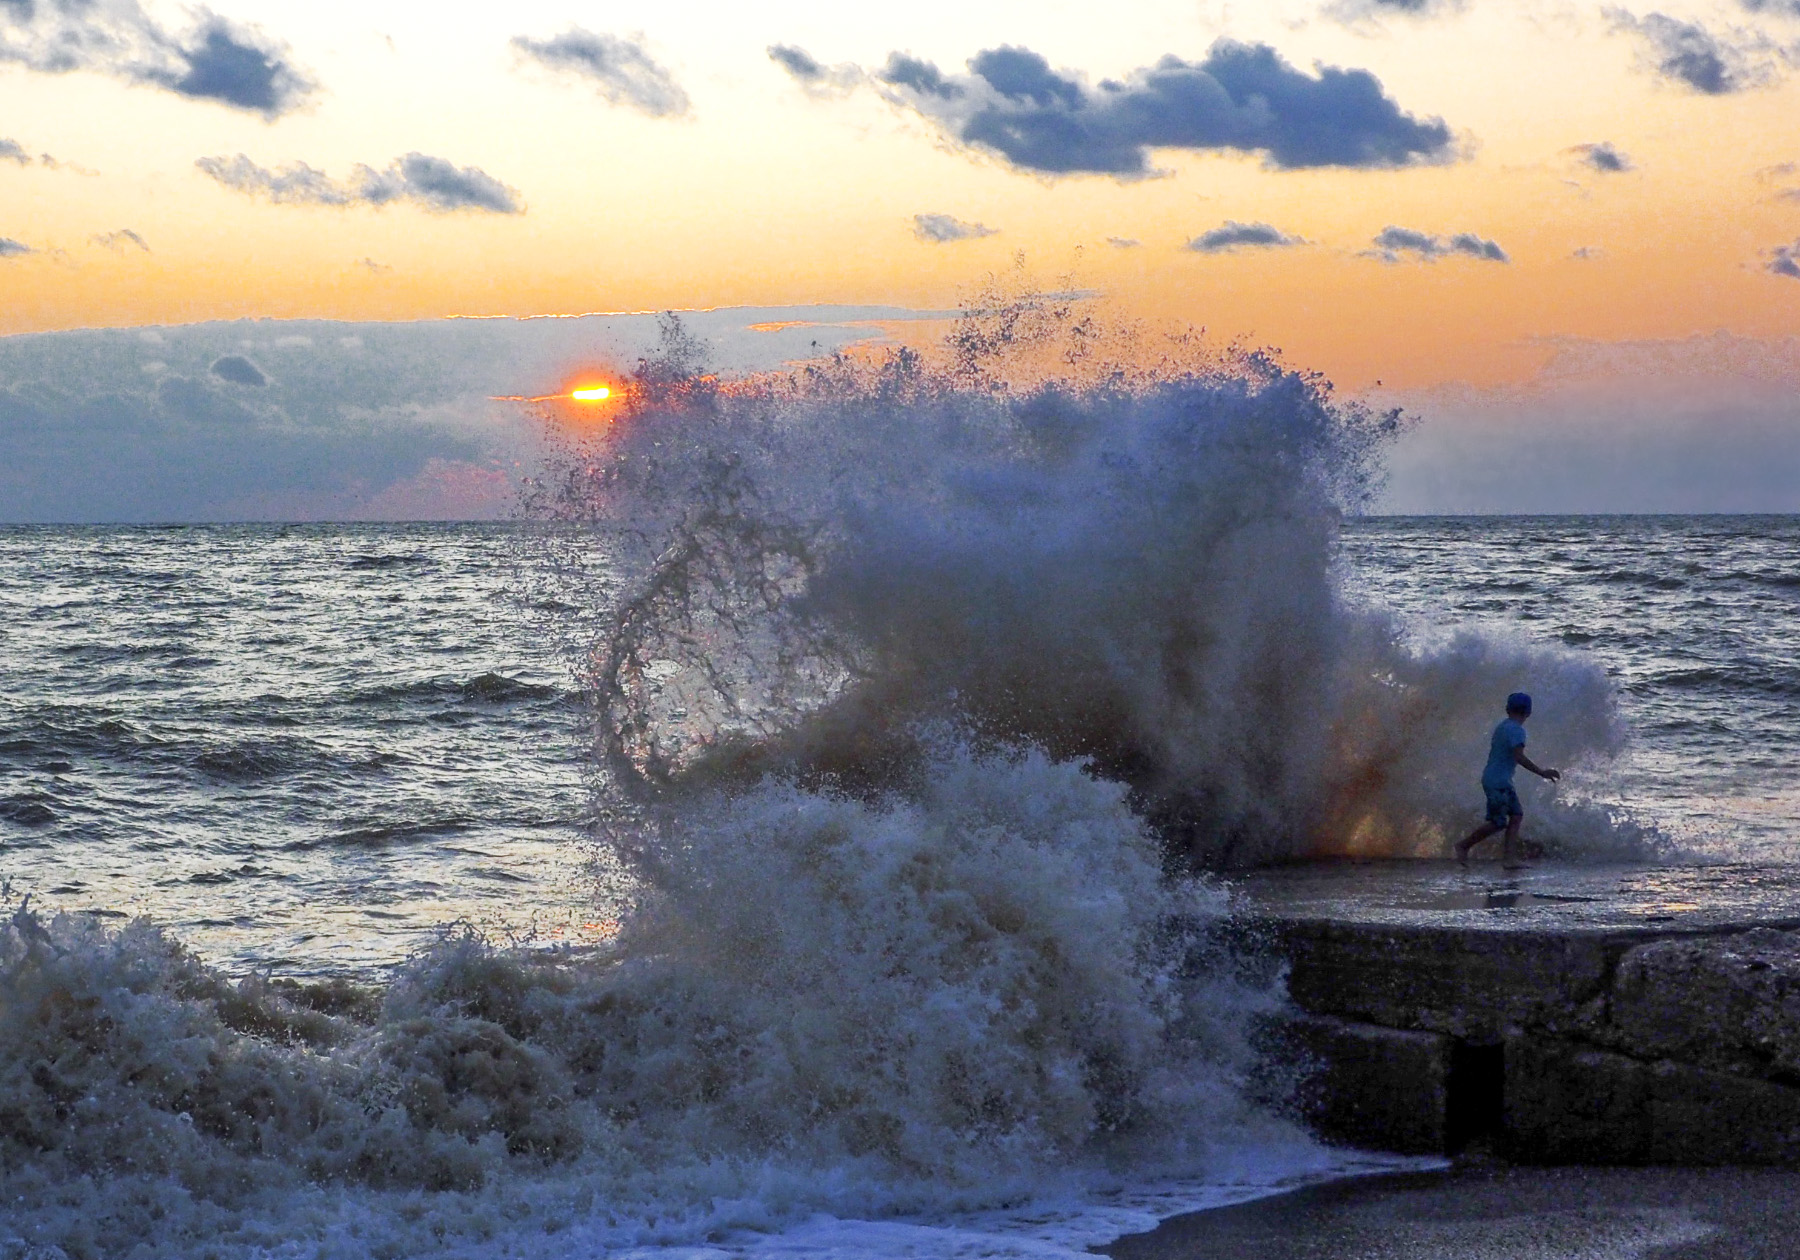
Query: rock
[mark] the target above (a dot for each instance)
(1726, 1002)
(1567, 1103)
(1698, 1116)
(1466, 983)
(1371, 1086)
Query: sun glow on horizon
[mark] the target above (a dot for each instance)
(591, 393)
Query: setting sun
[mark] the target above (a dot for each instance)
(591, 393)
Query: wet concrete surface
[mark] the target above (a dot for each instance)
(1545, 897)
(1497, 1212)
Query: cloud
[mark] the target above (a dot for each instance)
(1780, 8)
(815, 79)
(13, 151)
(1391, 242)
(1784, 260)
(238, 370)
(1232, 235)
(1690, 54)
(1587, 253)
(1603, 157)
(1123, 242)
(1359, 12)
(117, 241)
(216, 60)
(372, 267)
(1242, 98)
(622, 70)
(429, 182)
(1778, 173)
(10, 248)
(941, 229)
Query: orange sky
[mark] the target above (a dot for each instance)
(761, 194)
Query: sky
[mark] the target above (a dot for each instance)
(1558, 229)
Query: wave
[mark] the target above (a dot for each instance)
(249, 761)
(389, 561)
(29, 809)
(1132, 565)
(1635, 577)
(1742, 677)
(981, 995)
(484, 688)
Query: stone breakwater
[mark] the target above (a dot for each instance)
(1597, 1016)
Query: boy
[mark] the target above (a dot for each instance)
(1505, 751)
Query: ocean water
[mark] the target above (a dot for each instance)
(306, 749)
(810, 835)
(1694, 618)
(301, 748)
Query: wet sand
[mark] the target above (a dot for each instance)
(1500, 1212)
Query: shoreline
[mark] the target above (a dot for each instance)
(1489, 1210)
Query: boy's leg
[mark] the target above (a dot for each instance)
(1474, 838)
(1509, 847)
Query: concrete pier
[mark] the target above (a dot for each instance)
(1615, 1015)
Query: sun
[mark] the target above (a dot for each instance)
(591, 393)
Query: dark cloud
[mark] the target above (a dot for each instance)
(1242, 98)
(622, 70)
(117, 241)
(1690, 54)
(813, 77)
(1355, 12)
(1392, 242)
(1784, 260)
(1587, 253)
(1603, 157)
(941, 229)
(236, 68)
(13, 151)
(797, 62)
(10, 248)
(1232, 235)
(430, 182)
(238, 370)
(215, 61)
(1780, 8)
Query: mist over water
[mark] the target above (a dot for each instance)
(926, 693)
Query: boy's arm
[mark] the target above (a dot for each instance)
(1520, 758)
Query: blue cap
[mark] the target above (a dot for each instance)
(1518, 702)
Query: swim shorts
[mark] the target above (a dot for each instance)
(1503, 805)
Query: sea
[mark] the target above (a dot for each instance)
(753, 862)
(307, 749)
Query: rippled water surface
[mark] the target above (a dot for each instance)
(1696, 618)
(301, 747)
(310, 747)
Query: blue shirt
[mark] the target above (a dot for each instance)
(1508, 736)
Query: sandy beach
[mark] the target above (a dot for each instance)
(1487, 1211)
